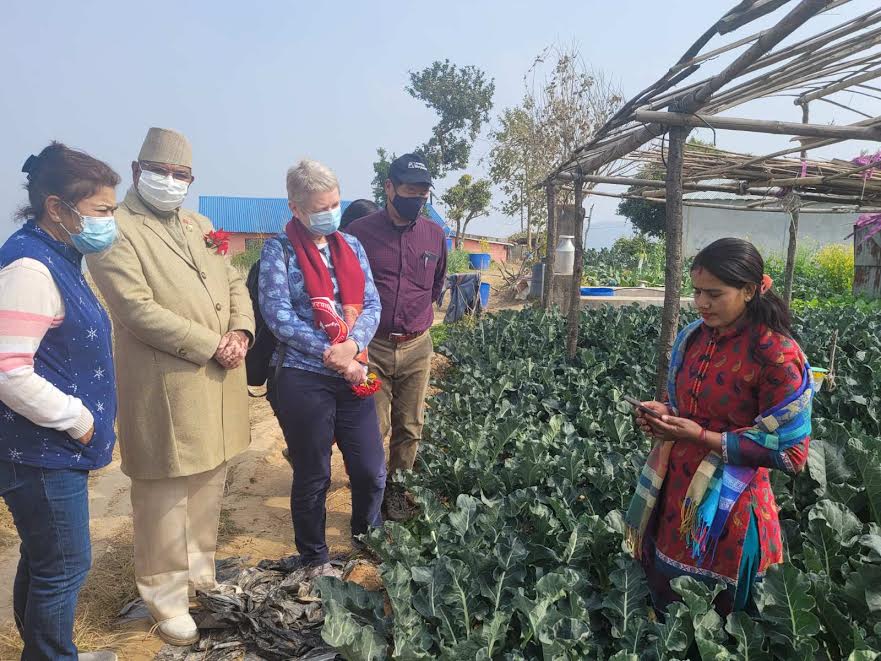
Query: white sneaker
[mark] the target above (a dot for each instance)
(100, 655)
(180, 631)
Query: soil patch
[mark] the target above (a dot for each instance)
(109, 587)
(8, 534)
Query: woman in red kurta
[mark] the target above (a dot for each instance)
(740, 363)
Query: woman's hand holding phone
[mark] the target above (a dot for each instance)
(645, 419)
(657, 420)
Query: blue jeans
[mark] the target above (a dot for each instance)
(314, 409)
(50, 508)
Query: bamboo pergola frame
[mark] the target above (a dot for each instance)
(844, 58)
(833, 181)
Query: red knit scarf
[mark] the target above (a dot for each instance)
(319, 286)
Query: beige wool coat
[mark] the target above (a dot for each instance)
(180, 412)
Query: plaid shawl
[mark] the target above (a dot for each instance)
(715, 486)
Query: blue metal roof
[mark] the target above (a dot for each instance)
(436, 217)
(263, 215)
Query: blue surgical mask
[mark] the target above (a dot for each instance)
(97, 233)
(325, 222)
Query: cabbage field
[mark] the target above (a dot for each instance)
(527, 468)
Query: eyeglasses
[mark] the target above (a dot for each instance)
(166, 172)
(79, 215)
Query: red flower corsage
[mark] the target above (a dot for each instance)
(218, 240)
(368, 387)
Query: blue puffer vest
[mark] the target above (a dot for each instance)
(76, 357)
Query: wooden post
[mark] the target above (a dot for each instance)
(791, 250)
(577, 272)
(673, 271)
(525, 190)
(792, 247)
(589, 218)
(549, 247)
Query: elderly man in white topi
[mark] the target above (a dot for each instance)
(182, 321)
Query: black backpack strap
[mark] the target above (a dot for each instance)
(287, 264)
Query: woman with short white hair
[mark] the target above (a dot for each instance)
(318, 298)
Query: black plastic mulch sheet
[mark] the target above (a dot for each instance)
(263, 612)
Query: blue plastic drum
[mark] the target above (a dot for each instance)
(484, 294)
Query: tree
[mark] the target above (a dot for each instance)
(466, 200)
(556, 116)
(462, 98)
(651, 217)
(513, 163)
(380, 175)
(647, 217)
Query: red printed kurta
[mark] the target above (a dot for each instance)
(727, 380)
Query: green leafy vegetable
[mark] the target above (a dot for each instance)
(529, 462)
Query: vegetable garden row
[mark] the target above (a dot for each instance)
(528, 466)
(820, 273)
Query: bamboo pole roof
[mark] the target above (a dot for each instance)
(828, 62)
(837, 182)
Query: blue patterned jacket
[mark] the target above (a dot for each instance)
(75, 357)
(287, 311)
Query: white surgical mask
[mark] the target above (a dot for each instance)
(162, 192)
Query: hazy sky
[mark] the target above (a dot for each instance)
(257, 85)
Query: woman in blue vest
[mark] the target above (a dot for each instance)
(57, 396)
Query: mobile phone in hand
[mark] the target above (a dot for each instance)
(635, 403)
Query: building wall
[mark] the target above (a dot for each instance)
(768, 230)
(237, 242)
(498, 251)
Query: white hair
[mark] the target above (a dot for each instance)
(308, 177)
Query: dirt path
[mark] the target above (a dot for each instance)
(257, 504)
(110, 512)
(256, 522)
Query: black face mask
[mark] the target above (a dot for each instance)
(408, 207)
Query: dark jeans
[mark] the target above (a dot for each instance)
(313, 410)
(50, 508)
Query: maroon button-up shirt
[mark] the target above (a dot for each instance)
(409, 265)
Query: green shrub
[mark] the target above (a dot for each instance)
(843, 302)
(637, 260)
(439, 334)
(630, 262)
(457, 261)
(245, 260)
(836, 265)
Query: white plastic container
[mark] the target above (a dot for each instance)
(819, 376)
(564, 256)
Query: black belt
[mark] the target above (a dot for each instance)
(400, 338)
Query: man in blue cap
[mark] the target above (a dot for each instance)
(408, 257)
